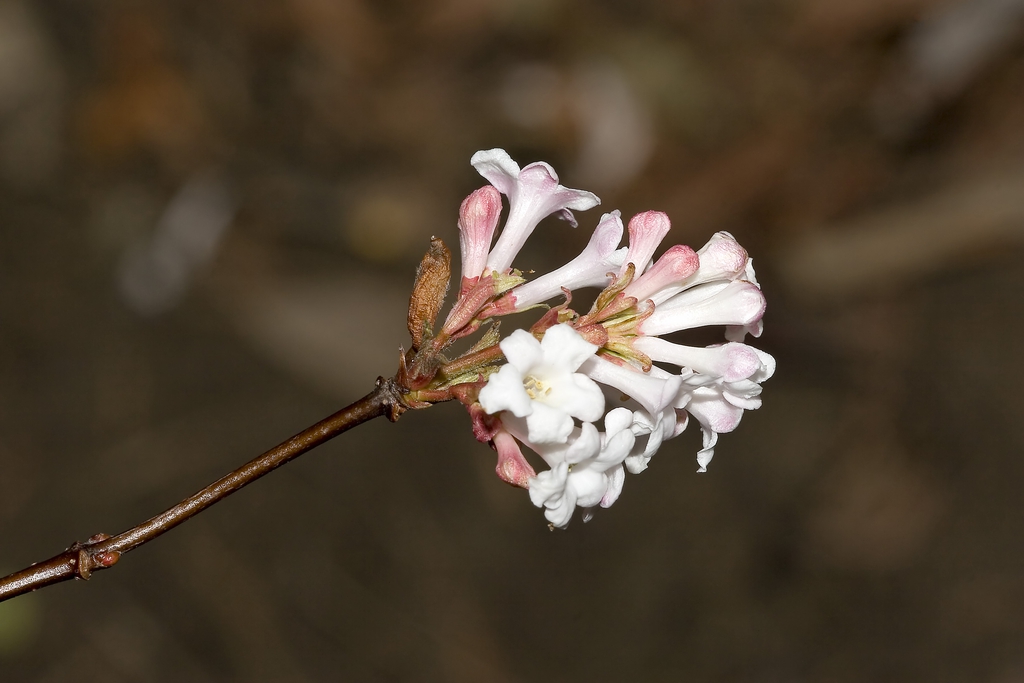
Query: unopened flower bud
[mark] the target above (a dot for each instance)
(478, 218)
(722, 258)
(646, 230)
(512, 467)
(667, 276)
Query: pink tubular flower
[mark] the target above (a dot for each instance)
(589, 269)
(478, 218)
(533, 194)
(732, 362)
(719, 382)
(715, 303)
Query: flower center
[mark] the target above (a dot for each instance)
(535, 388)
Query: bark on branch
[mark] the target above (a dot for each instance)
(81, 560)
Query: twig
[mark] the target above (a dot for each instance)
(102, 551)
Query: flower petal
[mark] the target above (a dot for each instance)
(549, 490)
(579, 397)
(533, 193)
(705, 454)
(565, 348)
(546, 424)
(617, 420)
(590, 486)
(657, 431)
(713, 411)
(615, 450)
(504, 391)
(585, 446)
(498, 168)
(616, 478)
(522, 350)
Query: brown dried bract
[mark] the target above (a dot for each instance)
(428, 292)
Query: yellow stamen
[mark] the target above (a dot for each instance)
(535, 388)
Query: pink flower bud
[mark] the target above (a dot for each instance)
(512, 466)
(722, 258)
(478, 218)
(666, 277)
(646, 230)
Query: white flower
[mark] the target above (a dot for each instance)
(533, 193)
(586, 471)
(540, 383)
(659, 428)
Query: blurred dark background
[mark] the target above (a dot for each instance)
(210, 214)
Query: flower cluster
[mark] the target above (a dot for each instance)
(595, 395)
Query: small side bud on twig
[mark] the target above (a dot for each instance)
(107, 559)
